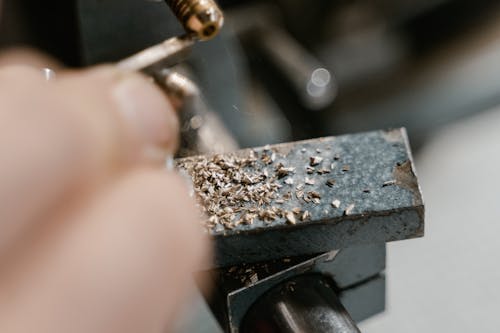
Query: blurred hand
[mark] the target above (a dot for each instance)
(95, 236)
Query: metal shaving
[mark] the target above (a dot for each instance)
(290, 218)
(253, 278)
(309, 181)
(281, 171)
(232, 182)
(315, 160)
(389, 183)
(349, 209)
(314, 194)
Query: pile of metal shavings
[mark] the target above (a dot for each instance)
(233, 189)
(241, 188)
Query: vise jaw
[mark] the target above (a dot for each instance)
(336, 202)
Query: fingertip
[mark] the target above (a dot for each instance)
(185, 218)
(145, 112)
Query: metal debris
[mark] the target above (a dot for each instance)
(281, 171)
(314, 194)
(315, 197)
(389, 183)
(231, 190)
(349, 209)
(290, 218)
(266, 159)
(309, 181)
(248, 218)
(254, 278)
(315, 160)
(323, 171)
(330, 182)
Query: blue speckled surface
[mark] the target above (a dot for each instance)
(381, 212)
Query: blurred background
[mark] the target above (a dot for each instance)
(284, 70)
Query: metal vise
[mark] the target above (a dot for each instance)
(318, 265)
(297, 273)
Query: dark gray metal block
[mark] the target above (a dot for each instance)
(373, 180)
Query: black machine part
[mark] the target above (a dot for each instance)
(304, 304)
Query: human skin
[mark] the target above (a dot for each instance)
(95, 235)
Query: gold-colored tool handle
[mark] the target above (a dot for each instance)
(202, 18)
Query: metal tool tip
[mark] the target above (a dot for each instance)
(206, 21)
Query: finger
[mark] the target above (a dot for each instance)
(124, 266)
(143, 108)
(70, 135)
(28, 57)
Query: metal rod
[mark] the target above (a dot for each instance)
(158, 57)
(306, 304)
